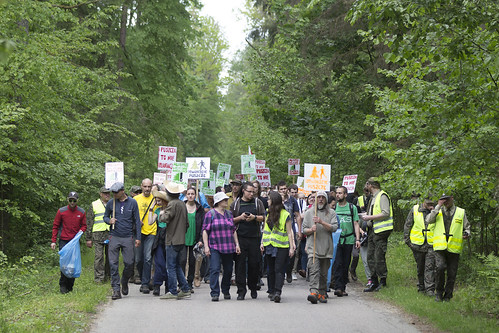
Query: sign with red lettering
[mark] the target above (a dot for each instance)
(239, 176)
(260, 164)
(294, 167)
(263, 176)
(166, 157)
(349, 182)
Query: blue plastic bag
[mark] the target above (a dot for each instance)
(70, 260)
(336, 237)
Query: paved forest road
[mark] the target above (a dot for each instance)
(356, 313)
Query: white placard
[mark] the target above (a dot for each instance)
(263, 176)
(317, 177)
(349, 182)
(259, 164)
(159, 178)
(166, 157)
(248, 164)
(198, 167)
(294, 167)
(115, 172)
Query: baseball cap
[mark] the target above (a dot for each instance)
(236, 181)
(445, 196)
(73, 195)
(116, 187)
(104, 189)
(135, 189)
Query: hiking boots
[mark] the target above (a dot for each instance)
(322, 298)
(277, 298)
(116, 295)
(156, 290)
(144, 289)
(312, 298)
(124, 287)
(338, 293)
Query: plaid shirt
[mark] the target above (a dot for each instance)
(220, 229)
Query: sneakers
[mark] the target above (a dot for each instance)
(294, 277)
(116, 295)
(272, 297)
(322, 298)
(289, 278)
(254, 294)
(137, 281)
(156, 291)
(184, 294)
(240, 297)
(144, 289)
(277, 298)
(226, 296)
(63, 290)
(302, 273)
(197, 282)
(168, 296)
(369, 283)
(312, 298)
(214, 298)
(338, 293)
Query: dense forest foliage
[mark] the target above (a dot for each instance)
(406, 91)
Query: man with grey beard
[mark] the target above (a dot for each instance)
(323, 224)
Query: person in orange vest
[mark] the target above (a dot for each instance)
(418, 235)
(451, 228)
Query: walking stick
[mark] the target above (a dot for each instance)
(315, 232)
(114, 206)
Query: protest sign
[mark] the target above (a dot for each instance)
(239, 176)
(159, 177)
(115, 172)
(166, 157)
(248, 164)
(293, 166)
(220, 182)
(263, 176)
(208, 185)
(317, 177)
(198, 167)
(179, 173)
(349, 182)
(259, 164)
(223, 171)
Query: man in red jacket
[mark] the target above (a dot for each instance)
(68, 221)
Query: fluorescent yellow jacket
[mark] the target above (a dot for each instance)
(99, 208)
(418, 231)
(278, 236)
(386, 223)
(454, 243)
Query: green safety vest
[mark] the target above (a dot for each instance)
(418, 231)
(386, 223)
(360, 201)
(455, 242)
(99, 209)
(278, 236)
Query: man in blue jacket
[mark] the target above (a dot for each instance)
(122, 213)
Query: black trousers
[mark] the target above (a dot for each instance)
(64, 281)
(275, 275)
(445, 261)
(341, 264)
(250, 255)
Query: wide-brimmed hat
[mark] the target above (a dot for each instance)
(236, 181)
(219, 197)
(160, 194)
(174, 188)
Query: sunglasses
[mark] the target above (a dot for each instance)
(72, 200)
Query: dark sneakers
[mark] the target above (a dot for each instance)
(277, 298)
(156, 290)
(254, 294)
(144, 289)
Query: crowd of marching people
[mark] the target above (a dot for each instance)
(177, 237)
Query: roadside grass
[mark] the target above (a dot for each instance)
(474, 307)
(31, 301)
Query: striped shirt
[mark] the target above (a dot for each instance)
(220, 229)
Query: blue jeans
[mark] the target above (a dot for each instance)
(216, 259)
(145, 256)
(175, 272)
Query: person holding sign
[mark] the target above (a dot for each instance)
(277, 244)
(322, 222)
(69, 220)
(122, 213)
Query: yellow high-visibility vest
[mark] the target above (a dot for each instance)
(278, 236)
(386, 223)
(455, 242)
(360, 201)
(418, 231)
(99, 209)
